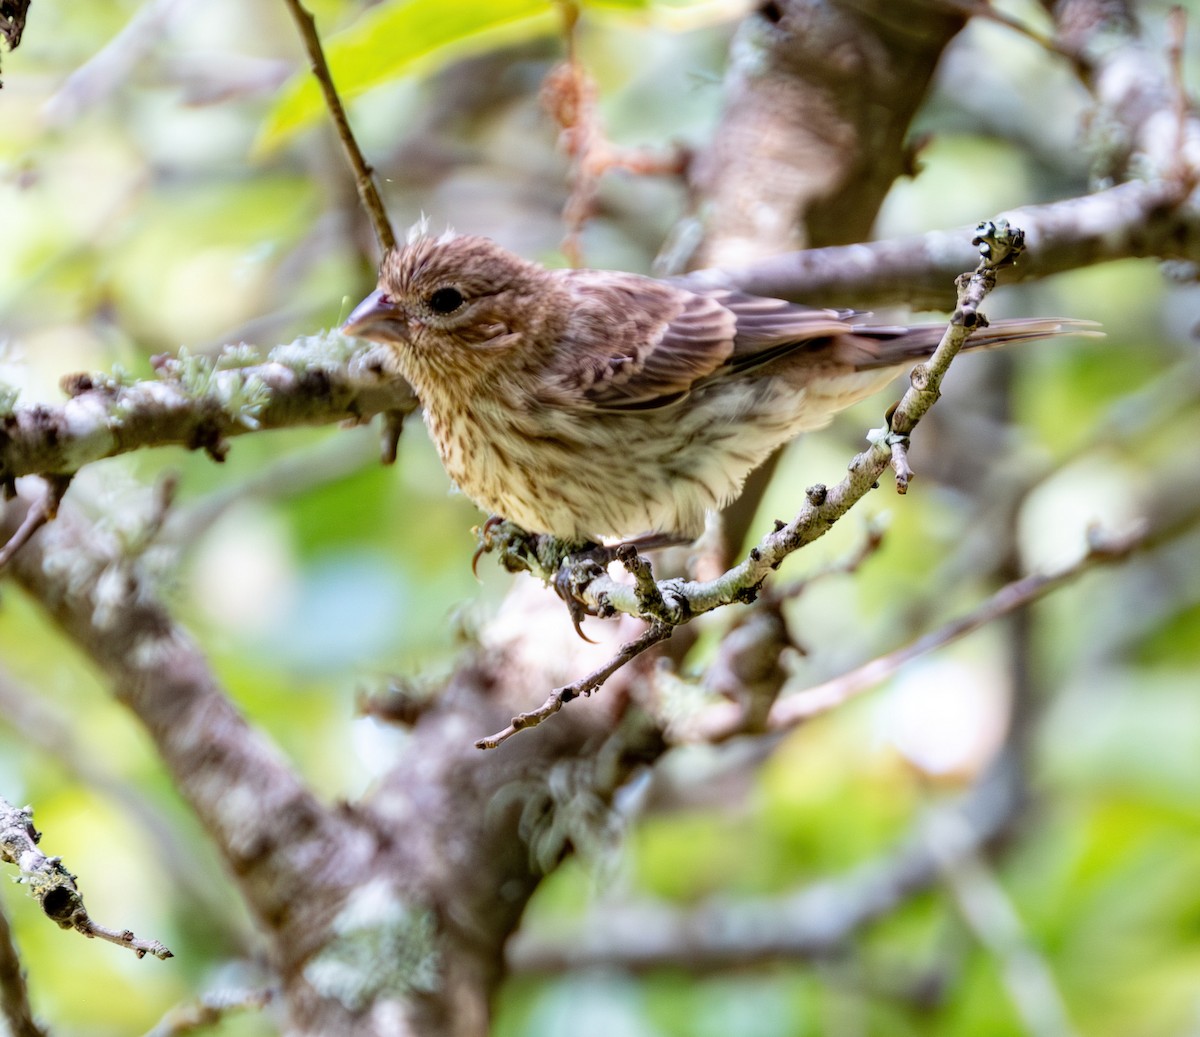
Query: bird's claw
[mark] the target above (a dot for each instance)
(571, 577)
(486, 541)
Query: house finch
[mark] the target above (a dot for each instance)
(589, 403)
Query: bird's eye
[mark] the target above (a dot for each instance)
(445, 300)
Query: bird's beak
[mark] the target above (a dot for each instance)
(377, 318)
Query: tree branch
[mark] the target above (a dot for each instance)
(14, 994)
(36, 517)
(53, 887)
(267, 825)
(209, 1010)
(200, 403)
(368, 193)
(812, 922)
(656, 632)
(38, 725)
(1136, 219)
(720, 720)
(818, 98)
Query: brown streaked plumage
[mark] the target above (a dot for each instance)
(589, 403)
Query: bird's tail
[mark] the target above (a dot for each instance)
(886, 346)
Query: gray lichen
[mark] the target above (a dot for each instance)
(383, 946)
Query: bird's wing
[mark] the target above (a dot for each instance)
(638, 344)
(771, 328)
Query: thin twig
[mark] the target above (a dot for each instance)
(37, 516)
(629, 651)
(54, 887)
(989, 913)
(874, 532)
(121, 937)
(720, 721)
(1183, 172)
(368, 193)
(209, 1010)
(1102, 550)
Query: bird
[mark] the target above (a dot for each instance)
(598, 405)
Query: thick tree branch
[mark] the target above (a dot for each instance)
(818, 98)
(399, 879)
(200, 403)
(269, 828)
(1137, 219)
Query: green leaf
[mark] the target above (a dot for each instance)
(396, 38)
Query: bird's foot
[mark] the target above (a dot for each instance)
(568, 566)
(518, 550)
(579, 568)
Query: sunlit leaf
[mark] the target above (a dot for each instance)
(396, 38)
(404, 36)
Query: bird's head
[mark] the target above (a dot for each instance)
(453, 307)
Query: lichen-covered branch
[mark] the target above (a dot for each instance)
(268, 826)
(52, 886)
(385, 902)
(200, 403)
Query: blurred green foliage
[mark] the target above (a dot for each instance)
(155, 192)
